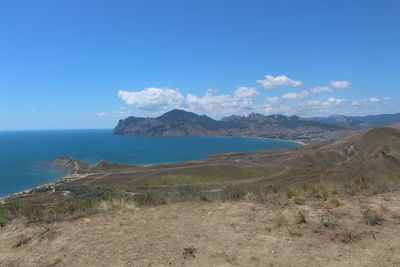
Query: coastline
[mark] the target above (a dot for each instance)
(51, 184)
(27, 191)
(79, 176)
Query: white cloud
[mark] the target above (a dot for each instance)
(340, 85)
(271, 82)
(102, 114)
(333, 101)
(122, 111)
(305, 108)
(153, 99)
(366, 101)
(159, 100)
(374, 99)
(238, 103)
(293, 96)
(335, 86)
(273, 99)
(322, 89)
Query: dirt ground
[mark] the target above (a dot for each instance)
(240, 233)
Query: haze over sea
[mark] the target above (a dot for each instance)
(26, 156)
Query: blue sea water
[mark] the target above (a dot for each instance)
(26, 156)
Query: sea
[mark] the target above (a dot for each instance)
(26, 157)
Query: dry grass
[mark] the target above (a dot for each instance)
(90, 202)
(371, 217)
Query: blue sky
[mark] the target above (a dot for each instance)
(86, 64)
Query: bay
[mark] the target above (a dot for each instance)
(26, 156)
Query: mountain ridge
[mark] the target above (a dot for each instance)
(183, 123)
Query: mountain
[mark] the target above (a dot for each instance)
(231, 117)
(182, 123)
(360, 122)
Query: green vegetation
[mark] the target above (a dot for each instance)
(206, 175)
(251, 172)
(183, 179)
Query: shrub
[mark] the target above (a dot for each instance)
(300, 218)
(348, 237)
(192, 192)
(326, 221)
(3, 218)
(151, 198)
(295, 231)
(21, 240)
(299, 200)
(235, 192)
(371, 217)
(289, 193)
(335, 202)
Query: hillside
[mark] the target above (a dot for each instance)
(360, 122)
(182, 123)
(230, 233)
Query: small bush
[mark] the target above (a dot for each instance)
(235, 192)
(21, 240)
(151, 198)
(189, 252)
(335, 202)
(277, 199)
(56, 261)
(299, 200)
(348, 237)
(192, 192)
(326, 221)
(385, 185)
(354, 186)
(321, 191)
(260, 194)
(371, 217)
(300, 218)
(294, 231)
(3, 218)
(116, 204)
(289, 193)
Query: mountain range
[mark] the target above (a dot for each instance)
(360, 122)
(183, 123)
(308, 130)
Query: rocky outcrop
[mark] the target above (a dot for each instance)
(71, 165)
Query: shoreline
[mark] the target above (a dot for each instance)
(27, 191)
(68, 176)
